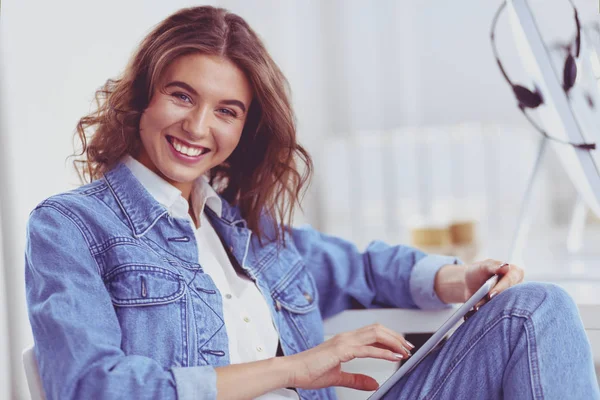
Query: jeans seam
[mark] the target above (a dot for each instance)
(456, 362)
(534, 367)
(538, 392)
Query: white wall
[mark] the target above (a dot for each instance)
(5, 384)
(352, 66)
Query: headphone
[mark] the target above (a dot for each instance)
(532, 99)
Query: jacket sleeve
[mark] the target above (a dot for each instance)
(381, 276)
(76, 331)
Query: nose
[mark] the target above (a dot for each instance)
(197, 122)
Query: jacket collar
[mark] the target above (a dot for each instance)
(141, 209)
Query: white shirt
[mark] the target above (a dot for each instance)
(250, 328)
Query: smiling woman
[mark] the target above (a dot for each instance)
(175, 274)
(203, 78)
(195, 118)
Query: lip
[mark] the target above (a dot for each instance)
(182, 157)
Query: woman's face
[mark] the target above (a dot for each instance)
(195, 118)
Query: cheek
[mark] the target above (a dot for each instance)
(159, 116)
(229, 139)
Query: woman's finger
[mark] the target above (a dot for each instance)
(512, 277)
(381, 346)
(408, 345)
(385, 340)
(509, 275)
(373, 351)
(357, 381)
(495, 267)
(375, 334)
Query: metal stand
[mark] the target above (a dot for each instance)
(578, 218)
(525, 217)
(577, 226)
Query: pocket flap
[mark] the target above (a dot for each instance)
(298, 293)
(140, 285)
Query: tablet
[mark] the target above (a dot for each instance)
(435, 339)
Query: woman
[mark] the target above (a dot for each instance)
(175, 273)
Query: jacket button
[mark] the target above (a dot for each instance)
(308, 297)
(277, 305)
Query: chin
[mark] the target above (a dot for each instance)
(178, 174)
(182, 177)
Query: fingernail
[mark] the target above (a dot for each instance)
(493, 294)
(412, 346)
(400, 356)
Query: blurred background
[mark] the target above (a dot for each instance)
(415, 136)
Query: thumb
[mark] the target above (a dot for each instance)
(357, 381)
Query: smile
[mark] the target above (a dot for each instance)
(186, 149)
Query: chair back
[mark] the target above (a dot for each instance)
(36, 390)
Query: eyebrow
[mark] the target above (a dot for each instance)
(190, 89)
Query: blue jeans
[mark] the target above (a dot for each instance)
(527, 343)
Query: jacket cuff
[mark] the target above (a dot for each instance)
(195, 383)
(422, 279)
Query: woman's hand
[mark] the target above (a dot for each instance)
(456, 283)
(320, 366)
(479, 272)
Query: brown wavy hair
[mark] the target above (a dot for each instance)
(262, 175)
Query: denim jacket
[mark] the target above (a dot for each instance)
(121, 309)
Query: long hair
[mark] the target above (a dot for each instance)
(262, 176)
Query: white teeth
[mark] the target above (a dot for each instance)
(183, 149)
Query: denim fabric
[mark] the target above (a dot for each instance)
(120, 307)
(526, 343)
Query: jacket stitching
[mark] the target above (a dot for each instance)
(184, 263)
(113, 242)
(128, 267)
(184, 331)
(131, 225)
(93, 190)
(287, 278)
(67, 215)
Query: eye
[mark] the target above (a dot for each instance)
(226, 111)
(182, 97)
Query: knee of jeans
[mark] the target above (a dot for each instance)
(529, 296)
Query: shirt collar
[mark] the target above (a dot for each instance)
(170, 197)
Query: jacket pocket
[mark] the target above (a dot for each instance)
(150, 304)
(143, 285)
(298, 291)
(296, 297)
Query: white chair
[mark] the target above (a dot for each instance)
(36, 390)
